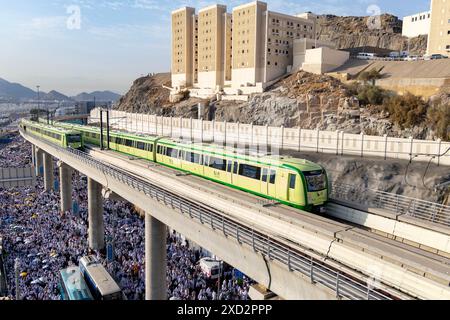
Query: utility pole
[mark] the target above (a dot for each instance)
(107, 129)
(101, 129)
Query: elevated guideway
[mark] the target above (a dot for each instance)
(293, 273)
(291, 252)
(271, 215)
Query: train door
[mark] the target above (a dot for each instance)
(235, 170)
(271, 185)
(282, 184)
(264, 181)
(294, 187)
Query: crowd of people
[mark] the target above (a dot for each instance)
(44, 241)
(17, 153)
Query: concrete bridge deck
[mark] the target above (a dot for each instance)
(430, 265)
(400, 269)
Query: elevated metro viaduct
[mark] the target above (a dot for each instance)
(215, 236)
(156, 219)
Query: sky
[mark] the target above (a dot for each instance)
(75, 46)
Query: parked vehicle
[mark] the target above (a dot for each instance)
(211, 268)
(436, 57)
(365, 56)
(394, 54)
(412, 58)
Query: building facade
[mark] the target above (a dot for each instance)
(211, 41)
(439, 35)
(249, 48)
(183, 47)
(417, 24)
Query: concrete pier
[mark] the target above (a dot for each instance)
(155, 259)
(48, 172)
(65, 176)
(33, 155)
(95, 211)
(39, 160)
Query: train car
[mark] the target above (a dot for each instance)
(61, 136)
(291, 181)
(295, 182)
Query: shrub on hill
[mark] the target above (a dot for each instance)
(407, 111)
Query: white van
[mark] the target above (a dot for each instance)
(365, 56)
(211, 268)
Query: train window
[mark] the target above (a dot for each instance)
(218, 163)
(149, 147)
(273, 175)
(159, 149)
(171, 152)
(249, 171)
(141, 145)
(292, 179)
(192, 157)
(229, 166)
(235, 167)
(264, 175)
(197, 158)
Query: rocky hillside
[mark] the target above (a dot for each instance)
(147, 95)
(351, 32)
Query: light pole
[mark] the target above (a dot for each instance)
(39, 102)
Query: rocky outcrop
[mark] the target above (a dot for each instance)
(352, 32)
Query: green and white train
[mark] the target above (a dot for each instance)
(295, 182)
(64, 137)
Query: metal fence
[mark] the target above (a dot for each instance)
(277, 138)
(343, 285)
(420, 209)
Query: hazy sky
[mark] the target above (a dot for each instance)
(86, 45)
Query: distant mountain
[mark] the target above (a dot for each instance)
(55, 96)
(15, 91)
(97, 95)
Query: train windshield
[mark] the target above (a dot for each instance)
(315, 180)
(74, 138)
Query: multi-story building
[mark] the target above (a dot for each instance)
(263, 43)
(211, 42)
(416, 25)
(246, 49)
(439, 35)
(183, 47)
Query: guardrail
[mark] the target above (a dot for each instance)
(343, 285)
(420, 209)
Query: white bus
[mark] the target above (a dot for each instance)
(211, 268)
(102, 285)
